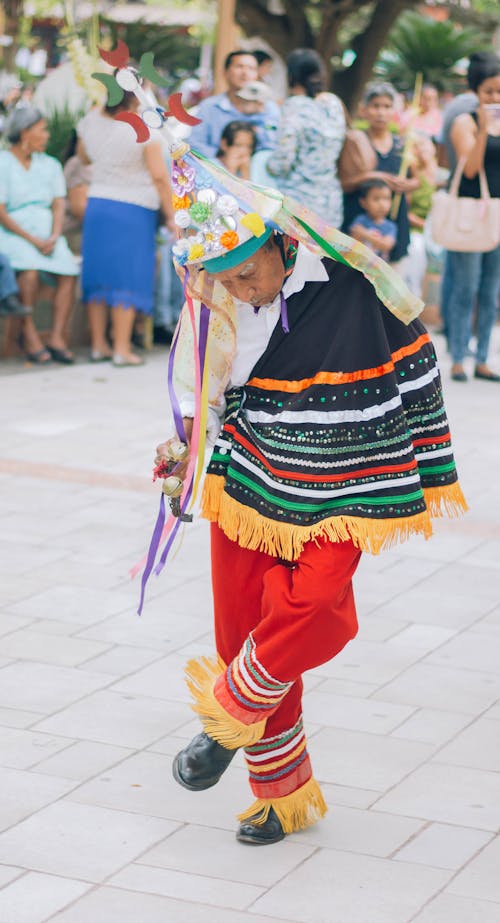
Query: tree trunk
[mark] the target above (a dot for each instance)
(13, 10)
(349, 83)
(291, 29)
(282, 31)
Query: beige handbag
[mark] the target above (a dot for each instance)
(357, 156)
(462, 223)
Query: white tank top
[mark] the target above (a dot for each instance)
(119, 169)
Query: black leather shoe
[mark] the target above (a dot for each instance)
(270, 831)
(201, 764)
(486, 376)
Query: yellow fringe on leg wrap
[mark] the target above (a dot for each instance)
(201, 676)
(297, 811)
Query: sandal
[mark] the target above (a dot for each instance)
(61, 355)
(121, 362)
(40, 357)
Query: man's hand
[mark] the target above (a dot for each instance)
(164, 451)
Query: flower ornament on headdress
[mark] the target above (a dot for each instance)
(126, 78)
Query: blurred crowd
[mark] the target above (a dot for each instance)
(102, 222)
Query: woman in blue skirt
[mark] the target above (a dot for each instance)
(129, 184)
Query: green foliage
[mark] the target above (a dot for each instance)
(176, 51)
(419, 44)
(61, 124)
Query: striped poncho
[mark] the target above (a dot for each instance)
(340, 432)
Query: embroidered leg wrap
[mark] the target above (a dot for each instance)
(234, 702)
(281, 778)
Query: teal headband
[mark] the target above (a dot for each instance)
(238, 255)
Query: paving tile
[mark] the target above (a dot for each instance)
(162, 630)
(347, 796)
(443, 846)
(423, 637)
(145, 784)
(42, 688)
(446, 908)
(465, 579)
(478, 746)
(17, 718)
(29, 644)
(215, 891)
(26, 792)
(432, 726)
(471, 650)
(352, 887)
(121, 660)
(9, 873)
(10, 623)
(355, 714)
(454, 795)
(447, 608)
(35, 897)
(352, 830)
(205, 851)
(378, 628)
(110, 718)
(16, 557)
(70, 603)
(82, 760)
(343, 686)
(487, 554)
(480, 878)
(427, 684)
(111, 905)
(365, 760)
(80, 841)
(20, 749)
(164, 679)
(370, 662)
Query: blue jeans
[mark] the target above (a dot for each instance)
(473, 274)
(8, 284)
(446, 287)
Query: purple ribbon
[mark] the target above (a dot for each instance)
(153, 548)
(202, 349)
(284, 314)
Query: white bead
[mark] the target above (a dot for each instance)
(126, 79)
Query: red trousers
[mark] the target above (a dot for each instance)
(273, 621)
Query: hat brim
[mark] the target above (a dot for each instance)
(238, 255)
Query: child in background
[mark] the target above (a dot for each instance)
(372, 226)
(425, 168)
(236, 148)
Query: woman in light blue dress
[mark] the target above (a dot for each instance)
(32, 204)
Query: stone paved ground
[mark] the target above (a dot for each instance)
(404, 725)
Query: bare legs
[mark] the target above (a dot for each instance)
(63, 303)
(98, 321)
(26, 331)
(122, 322)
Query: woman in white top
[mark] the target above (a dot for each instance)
(129, 184)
